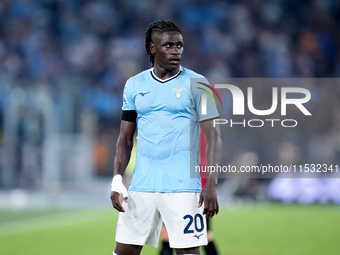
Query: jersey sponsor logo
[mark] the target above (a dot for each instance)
(178, 93)
(144, 93)
(198, 236)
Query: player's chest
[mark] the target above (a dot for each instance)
(169, 98)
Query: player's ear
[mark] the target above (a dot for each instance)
(152, 48)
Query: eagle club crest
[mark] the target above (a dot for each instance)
(178, 92)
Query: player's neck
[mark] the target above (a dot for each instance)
(164, 74)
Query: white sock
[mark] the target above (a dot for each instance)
(113, 253)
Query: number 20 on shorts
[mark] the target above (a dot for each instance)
(198, 223)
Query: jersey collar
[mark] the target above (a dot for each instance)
(168, 79)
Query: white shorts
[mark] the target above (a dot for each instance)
(142, 221)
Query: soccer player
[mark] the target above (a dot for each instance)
(160, 103)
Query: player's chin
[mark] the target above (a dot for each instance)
(173, 68)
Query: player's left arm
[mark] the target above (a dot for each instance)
(214, 153)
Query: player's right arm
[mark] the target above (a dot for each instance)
(123, 152)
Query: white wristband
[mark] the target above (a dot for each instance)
(118, 186)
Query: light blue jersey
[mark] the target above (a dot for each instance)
(165, 109)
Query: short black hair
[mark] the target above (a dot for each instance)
(159, 26)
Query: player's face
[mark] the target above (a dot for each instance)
(168, 49)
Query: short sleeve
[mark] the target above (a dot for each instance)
(128, 97)
(204, 100)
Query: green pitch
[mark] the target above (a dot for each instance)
(273, 229)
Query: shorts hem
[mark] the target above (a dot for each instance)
(180, 246)
(140, 243)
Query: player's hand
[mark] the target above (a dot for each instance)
(117, 190)
(208, 196)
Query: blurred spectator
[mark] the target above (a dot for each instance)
(80, 52)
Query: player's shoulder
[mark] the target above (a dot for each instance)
(195, 78)
(140, 76)
(190, 73)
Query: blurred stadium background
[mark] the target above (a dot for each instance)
(63, 66)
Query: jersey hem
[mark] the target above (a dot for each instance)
(167, 191)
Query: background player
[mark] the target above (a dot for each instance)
(159, 101)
